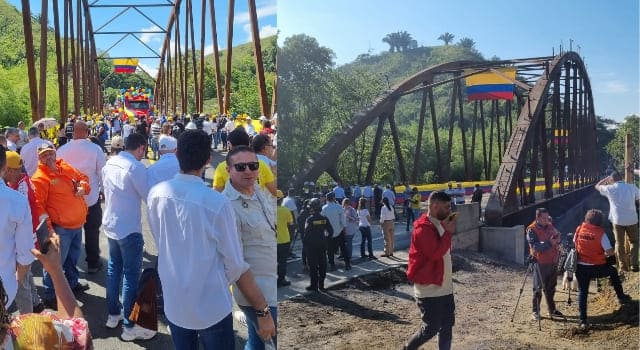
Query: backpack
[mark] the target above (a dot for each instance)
(145, 309)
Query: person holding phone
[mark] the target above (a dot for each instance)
(430, 270)
(60, 189)
(544, 242)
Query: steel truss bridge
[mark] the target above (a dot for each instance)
(548, 131)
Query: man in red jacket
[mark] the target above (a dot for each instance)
(431, 272)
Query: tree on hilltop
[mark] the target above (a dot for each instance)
(467, 43)
(400, 41)
(446, 37)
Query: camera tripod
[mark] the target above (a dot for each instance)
(532, 268)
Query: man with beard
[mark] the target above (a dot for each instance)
(430, 270)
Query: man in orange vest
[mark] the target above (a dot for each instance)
(544, 240)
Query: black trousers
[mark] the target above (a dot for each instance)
(317, 264)
(333, 244)
(549, 281)
(283, 254)
(92, 234)
(438, 317)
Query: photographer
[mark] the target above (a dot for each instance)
(544, 240)
(596, 259)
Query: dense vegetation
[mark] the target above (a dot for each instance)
(317, 100)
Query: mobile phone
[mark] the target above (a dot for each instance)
(42, 233)
(452, 216)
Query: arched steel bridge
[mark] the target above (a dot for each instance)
(553, 137)
(180, 81)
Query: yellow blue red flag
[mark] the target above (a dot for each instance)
(491, 85)
(125, 65)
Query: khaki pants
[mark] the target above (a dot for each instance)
(389, 236)
(627, 257)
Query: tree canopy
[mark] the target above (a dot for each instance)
(446, 38)
(400, 41)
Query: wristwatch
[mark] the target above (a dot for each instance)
(263, 312)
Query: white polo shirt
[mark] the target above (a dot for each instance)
(199, 252)
(164, 169)
(16, 237)
(124, 180)
(89, 159)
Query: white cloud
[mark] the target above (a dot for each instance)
(614, 87)
(153, 71)
(264, 11)
(268, 30)
(265, 31)
(151, 37)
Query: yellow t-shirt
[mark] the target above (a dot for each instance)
(415, 201)
(284, 219)
(265, 175)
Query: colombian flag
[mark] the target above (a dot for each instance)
(490, 85)
(125, 65)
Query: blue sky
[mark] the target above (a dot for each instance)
(607, 33)
(133, 21)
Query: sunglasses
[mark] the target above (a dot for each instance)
(253, 166)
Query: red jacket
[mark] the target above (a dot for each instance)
(546, 253)
(589, 244)
(426, 264)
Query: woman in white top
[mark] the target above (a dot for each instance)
(365, 228)
(387, 216)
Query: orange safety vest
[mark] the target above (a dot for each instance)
(544, 234)
(588, 244)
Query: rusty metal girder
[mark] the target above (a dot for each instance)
(503, 199)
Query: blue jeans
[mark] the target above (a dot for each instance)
(253, 340)
(365, 231)
(125, 259)
(218, 336)
(348, 243)
(70, 249)
(216, 138)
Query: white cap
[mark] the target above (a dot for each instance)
(167, 143)
(263, 118)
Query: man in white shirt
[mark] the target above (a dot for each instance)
(388, 193)
(23, 135)
(199, 253)
(16, 235)
(13, 137)
(127, 129)
(255, 214)
(624, 218)
(167, 166)
(29, 152)
(335, 213)
(89, 159)
(124, 180)
(290, 203)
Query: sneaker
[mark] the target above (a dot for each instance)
(283, 283)
(311, 288)
(535, 316)
(584, 326)
(113, 321)
(372, 257)
(624, 299)
(81, 287)
(635, 268)
(137, 333)
(94, 268)
(556, 313)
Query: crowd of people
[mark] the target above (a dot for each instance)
(72, 185)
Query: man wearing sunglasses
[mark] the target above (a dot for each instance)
(266, 178)
(255, 213)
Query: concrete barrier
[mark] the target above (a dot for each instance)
(507, 243)
(467, 234)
